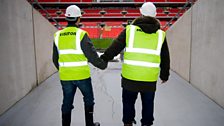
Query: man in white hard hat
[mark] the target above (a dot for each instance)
(72, 51)
(146, 57)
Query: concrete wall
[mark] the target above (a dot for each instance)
(179, 42)
(207, 62)
(17, 51)
(205, 46)
(44, 43)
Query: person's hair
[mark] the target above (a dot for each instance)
(72, 19)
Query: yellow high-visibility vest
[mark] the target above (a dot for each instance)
(73, 64)
(142, 54)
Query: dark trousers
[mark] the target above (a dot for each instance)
(129, 98)
(69, 89)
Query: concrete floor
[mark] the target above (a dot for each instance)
(177, 103)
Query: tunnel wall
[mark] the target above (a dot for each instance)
(179, 40)
(24, 56)
(204, 48)
(44, 34)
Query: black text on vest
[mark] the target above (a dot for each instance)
(67, 33)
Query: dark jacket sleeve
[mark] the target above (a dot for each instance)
(165, 62)
(55, 56)
(117, 46)
(91, 54)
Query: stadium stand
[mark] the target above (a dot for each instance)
(176, 0)
(94, 32)
(65, 0)
(113, 15)
(47, 0)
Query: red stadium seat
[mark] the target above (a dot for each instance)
(163, 23)
(69, 0)
(177, 0)
(113, 15)
(62, 15)
(173, 10)
(133, 14)
(138, 0)
(76, 0)
(112, 33)
(159, 10)
(89, 24)
(51, 10)
(91, 15)
(155, 0)
(41, 11)
(113, 10)
(63, 23)
(160, 14)
(47, 0)
(93, 32)
(171, 14)
(133, 10)
(92, 10)
(114, 23)
(86, 0)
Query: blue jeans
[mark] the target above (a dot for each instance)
(129, 98)
(69, 89)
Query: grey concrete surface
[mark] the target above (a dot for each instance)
(177, 103)
(18, 73)
(196, 46)
(44, 36)
(207, 64)
(179, 42)
(22, 54)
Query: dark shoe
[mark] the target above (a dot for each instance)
(89, 117)
(96, 124)
(66, 119)
(128, 125)
(131, 123)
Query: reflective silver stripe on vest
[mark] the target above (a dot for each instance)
(72, 64)
(56, 39)
(131, 37)
(78, 33)
(160, 41)
(141, 63)
(71, 51)
(141, 50)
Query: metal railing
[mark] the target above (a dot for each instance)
(48, 16)
(190, 2)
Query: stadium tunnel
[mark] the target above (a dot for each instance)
(30, 90)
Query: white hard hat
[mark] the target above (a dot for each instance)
(148, 9)
(72, 11)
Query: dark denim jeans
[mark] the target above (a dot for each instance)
(129, 98)
(69, 89)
